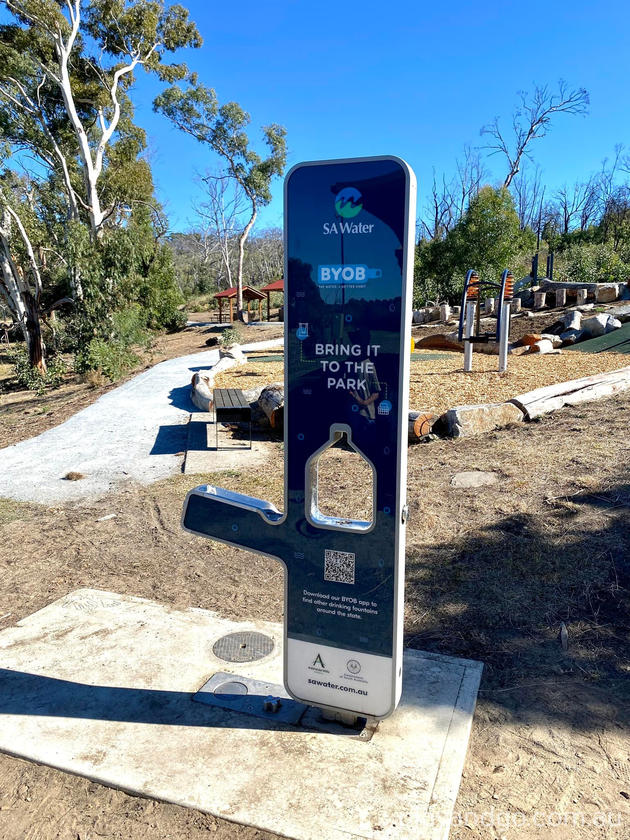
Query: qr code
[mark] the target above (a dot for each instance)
(339, 566)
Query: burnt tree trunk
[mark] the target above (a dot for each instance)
(34, 340)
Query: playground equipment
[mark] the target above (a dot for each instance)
(476, 290)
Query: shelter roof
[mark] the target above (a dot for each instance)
(276, 286)
(249, 293)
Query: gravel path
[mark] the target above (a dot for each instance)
(135, 432)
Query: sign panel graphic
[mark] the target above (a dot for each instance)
(349, 229)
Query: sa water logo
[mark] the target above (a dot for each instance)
(348, 202)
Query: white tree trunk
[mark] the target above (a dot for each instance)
(92, 165)
(241, 256)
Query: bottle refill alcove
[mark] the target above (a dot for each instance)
(349, 236)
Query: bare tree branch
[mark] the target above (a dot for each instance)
(532, 120)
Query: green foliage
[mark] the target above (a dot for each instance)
(223, 128)
(112, 253)
(488, 238)
(230, 336)
(200, 270)
(127, 271)
(113, 355)
(112, 358)
(197, 112)
(593, 263)
(32, 378)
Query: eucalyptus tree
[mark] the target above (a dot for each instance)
(222, 128)
(67, 69)
(20, 274)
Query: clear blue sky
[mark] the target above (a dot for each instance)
(407, 78)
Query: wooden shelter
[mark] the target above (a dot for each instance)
(249, 294)
(276, 286)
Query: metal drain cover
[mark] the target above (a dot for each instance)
(242, 647)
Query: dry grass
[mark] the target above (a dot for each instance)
(437, 384)
(11, 511)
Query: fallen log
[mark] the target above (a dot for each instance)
(528, 340)
(259, 418)
(439, 342)
(271, 400)
(233, 352)
(201, 392)
(552, 397)
(420, 425)
(543, 346)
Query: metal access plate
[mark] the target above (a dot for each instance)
(247, 646)
(247, 696)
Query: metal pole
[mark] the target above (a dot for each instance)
(504, 336)
(468, 331)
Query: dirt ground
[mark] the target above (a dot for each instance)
(491, 575)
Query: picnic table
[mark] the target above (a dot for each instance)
(231, 406)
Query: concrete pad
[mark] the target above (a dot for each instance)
(202, 457)
(101, 685)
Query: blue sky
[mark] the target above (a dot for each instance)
(417, 80)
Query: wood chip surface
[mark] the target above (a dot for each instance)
(437, 384)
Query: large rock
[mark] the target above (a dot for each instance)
(469, 420)
(622, 313)
(601, 324)
(571, 337)
(471, 479)
(572, 320)
(606, 292)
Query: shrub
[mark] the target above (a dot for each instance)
(230, 336)
(593, 264)
(112, 358)
(129, 327)
(34, 379)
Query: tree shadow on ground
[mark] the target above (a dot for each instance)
(501, 594)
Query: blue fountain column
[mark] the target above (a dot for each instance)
(348, 263)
